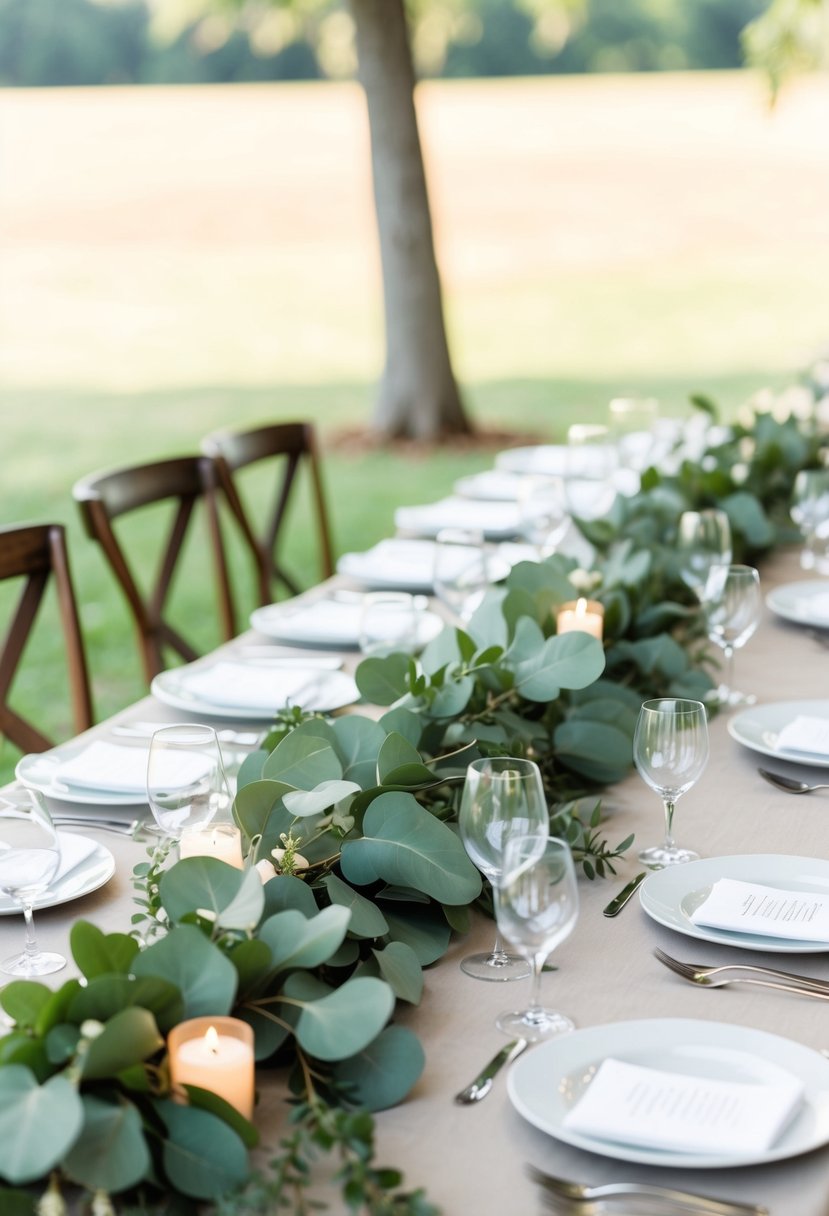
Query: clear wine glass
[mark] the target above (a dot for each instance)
(632, 424)
(461, 573)
(388, 623)
(537, 907)
(810, 511)
(186, 783)
(733, 613)
(670, 750)
(29, 860)
(502, 797)
(703, 543)
(592, 461)
(543, 510)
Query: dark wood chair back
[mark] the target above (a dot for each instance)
(290, 445)
(36, 553)
(184, 482)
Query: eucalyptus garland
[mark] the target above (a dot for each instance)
(357, 819)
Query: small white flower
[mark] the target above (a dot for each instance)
(739, 473)
(300, 862)
(584, 580)
(91, 1028)
(102, 1204)
(206, 913)
(51, 1202)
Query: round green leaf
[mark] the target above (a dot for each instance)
(366, 918)
(345, 1021)
(111, 1153)
(405, 845)
(24, 1001)
(199, 882)
(297, 942)
(98, 953)
(203, 1157)
(128, 1038)
(245, 909)
(38, 1123)
(323, 796)
(384, 1073)
(205, 977)
(106, 995)
(383, 681)
(303, 760)
(288, 891)
(400, 967)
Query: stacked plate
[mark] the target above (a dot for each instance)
(227, 688)
(331, 621)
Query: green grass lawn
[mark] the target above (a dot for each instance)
(659, 235)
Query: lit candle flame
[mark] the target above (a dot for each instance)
(581, 607)
(211, 1040)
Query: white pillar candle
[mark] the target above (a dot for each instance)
(215, 1054)
(221, 840)
(587, 616)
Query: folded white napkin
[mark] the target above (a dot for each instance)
(328, 621)
(750, 907)
(494, 519)
(805, 734)
(493, 485)
(123, 770)
(394, 562)
(681, 1113)
(546, 459)
(74, 850)
(245, 686)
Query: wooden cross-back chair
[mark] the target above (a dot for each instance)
(37, 553)
(184, 482)
(291, 445)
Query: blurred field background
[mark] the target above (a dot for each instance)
(178, 259)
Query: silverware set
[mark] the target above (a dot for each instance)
(575, 1199)
(745, 973)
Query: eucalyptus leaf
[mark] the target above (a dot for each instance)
(383, 681)
(323, 796)
(98, 953)
(106, 995)
(400, 721)
(245, 909)
(288, 891)
(366, 918)
(297, 942)
(206, 978)
(251, 768)
(357, 742)
(24, 1001)
(345, 1021)
(111, 1153)
(255, 803)
(129, 1037)
(203, 1157)
(38, 1123)
(402, 843)
(302, 761)
(400, 968)
(383, 1073)
(199, 882)
(425, 930)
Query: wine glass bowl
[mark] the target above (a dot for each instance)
(186, 783)
(503, 797)
(703, 545)
(543, 512)
(461, 573)
(537, 907)
(29, 861)
(810, 511)
(388, 623)
(670, 751)
(733, 611)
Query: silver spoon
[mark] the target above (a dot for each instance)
(482, 1084)
(789, 784)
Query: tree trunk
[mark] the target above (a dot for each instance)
(418, 395)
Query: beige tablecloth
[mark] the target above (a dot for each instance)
(472, 1160)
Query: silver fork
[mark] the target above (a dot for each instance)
(585, 1198)
(720, 977)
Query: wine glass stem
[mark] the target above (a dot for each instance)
(729, 668)
(535, 1013)
(31, 940)
(499, 954)
(670, 806)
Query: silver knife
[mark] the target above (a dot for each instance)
(482, 1084)
(618, 902)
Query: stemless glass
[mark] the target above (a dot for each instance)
(461, 574)
(502, 798)
(186, 782)
(537, 906)
(29, 860)
(703, 543)
(810, 511)
(670, 750)
(733, 614)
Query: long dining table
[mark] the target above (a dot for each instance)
(473, 1159)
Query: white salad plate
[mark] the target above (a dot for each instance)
(90, 873)
(547, 1082)
(804, 603)
(496, 520)
(40, 772)
(333, 621)
(759, 727)
(398, 564)
(193, 688)
(671, 895)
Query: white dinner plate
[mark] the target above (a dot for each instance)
(805, 603)
(548, 1081)
(38, 772)
(493, 485)
(496, 520)
(398, 564)
(759, 726)
(669, 896)
(88, 875)
(333, 622)
(324, 691)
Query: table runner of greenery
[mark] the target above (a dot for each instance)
(372, 877)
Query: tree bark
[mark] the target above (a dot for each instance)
(418, 394)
